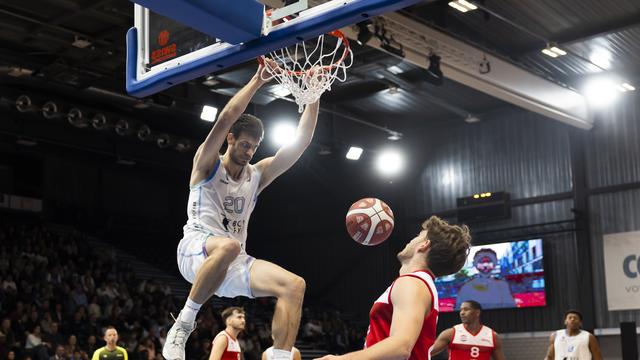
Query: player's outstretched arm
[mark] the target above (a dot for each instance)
(497, 354)
(208, 153)
(594, 347)
(218, 347)
(551, 352)
(274, 166)
(411, 301)
(442, 342)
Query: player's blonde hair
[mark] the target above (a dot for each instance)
(449, 246)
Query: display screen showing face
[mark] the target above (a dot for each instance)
(504, 275)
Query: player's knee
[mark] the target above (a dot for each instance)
(229, 249)
(297, 287)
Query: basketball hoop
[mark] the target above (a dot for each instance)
(307, 70)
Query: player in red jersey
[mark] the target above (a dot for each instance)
(225, 345)
(403, 320)
(470, 340)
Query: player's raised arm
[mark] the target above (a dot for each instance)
(208, 152)
(442, 342)
(274, 166)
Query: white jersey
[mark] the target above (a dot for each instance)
(221, 205)
(269, 353)
(572, 347)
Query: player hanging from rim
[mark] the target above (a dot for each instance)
(403, 320)
(470, 339)
(223, 193)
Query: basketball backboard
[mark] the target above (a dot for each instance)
(174, 41)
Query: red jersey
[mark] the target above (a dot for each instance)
(382, 313)
(232, 352)
(469, 346)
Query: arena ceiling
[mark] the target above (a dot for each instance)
(75, 49)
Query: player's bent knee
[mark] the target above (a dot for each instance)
(229, 248)
(297, 287)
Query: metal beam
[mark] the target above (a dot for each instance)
(461, 62)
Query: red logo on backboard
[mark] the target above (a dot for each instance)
(166, 52)
(163, 38)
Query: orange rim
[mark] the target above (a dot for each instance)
(335, 33)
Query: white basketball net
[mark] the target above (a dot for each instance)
(307, 71)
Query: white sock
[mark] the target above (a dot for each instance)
(189, 311)
(279, 354)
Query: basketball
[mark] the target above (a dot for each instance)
(369, 221)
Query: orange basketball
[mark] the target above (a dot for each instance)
(369, 221)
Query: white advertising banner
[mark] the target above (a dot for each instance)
(622, 270)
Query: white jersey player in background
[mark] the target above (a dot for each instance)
(223, 192)
(573, 343)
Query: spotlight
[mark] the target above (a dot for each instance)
(390, 162)
(183, 145)
(163, 141)
(144, 133)
(122, 127)
(283, 134)
(99, 121)
(364, 34)
(354, 153)
(50, 110)
(75, 118)
(209, 113)
(434, 74)
(601, 92)
(23, 103)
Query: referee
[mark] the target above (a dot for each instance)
(111, 351)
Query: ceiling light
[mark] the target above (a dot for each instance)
(23, 103)
(183, 145)
(601, 92)
(81, 42)
(628, 86)
(552, 50)
(390, 162)
(394, 136)
(75, 118)
(127, 162)
(163, 141)
(283, 134)
(364, 34)
(122, 127)
(472, 119)
(144, 133)
(209, 113)
(354, 153)
(455, 5)
(99, 122)
(463, 5)
(210, 81)
(467, 4)
(558, 51)
(395, 69)
(50, 110)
